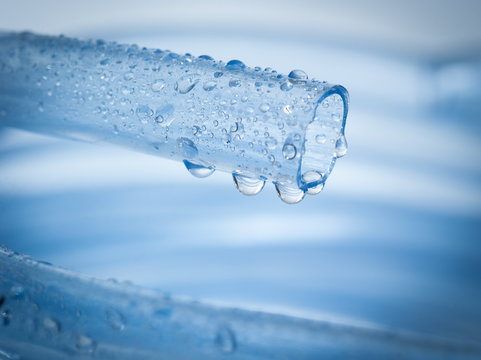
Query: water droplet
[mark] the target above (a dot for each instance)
(341, 147)
(313, 181)
(206, 57)
(248, 186)
(196, 130)
(164, 115)
(198, 170)
(85, 344)
(297, 76)
(171, 57)
(187, 148)
(289, 195)
(321, 139)
(128, 75)
(209, 85)
(289, 151)
(286, 86)
(105, 61)
(234, 83)
(52, 327)
(6, 316)
(225, 340)
(336, 117)
(186, 83)
(218, 74)
(158, 85)
(18, 292)
(264, 107)
(226, 138)
(271, 158)
(115, 319)
(287, 109)
(158, 317)
(235, 65)
(271, 142)
(144, 113)
(125, 90)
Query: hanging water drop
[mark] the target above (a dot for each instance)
(313, 180)
(289, 195)
(341, 147)
(198, 170)
(248, 186)
(316, 189)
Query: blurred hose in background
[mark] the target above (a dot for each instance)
(51, 313)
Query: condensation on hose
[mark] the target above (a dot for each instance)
(256, 124)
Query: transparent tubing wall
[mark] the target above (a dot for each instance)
(51, 313)
(256, 124)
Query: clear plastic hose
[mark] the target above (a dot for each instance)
(51, 313)
(256, 124)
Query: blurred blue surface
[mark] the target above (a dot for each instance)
(393, 240)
